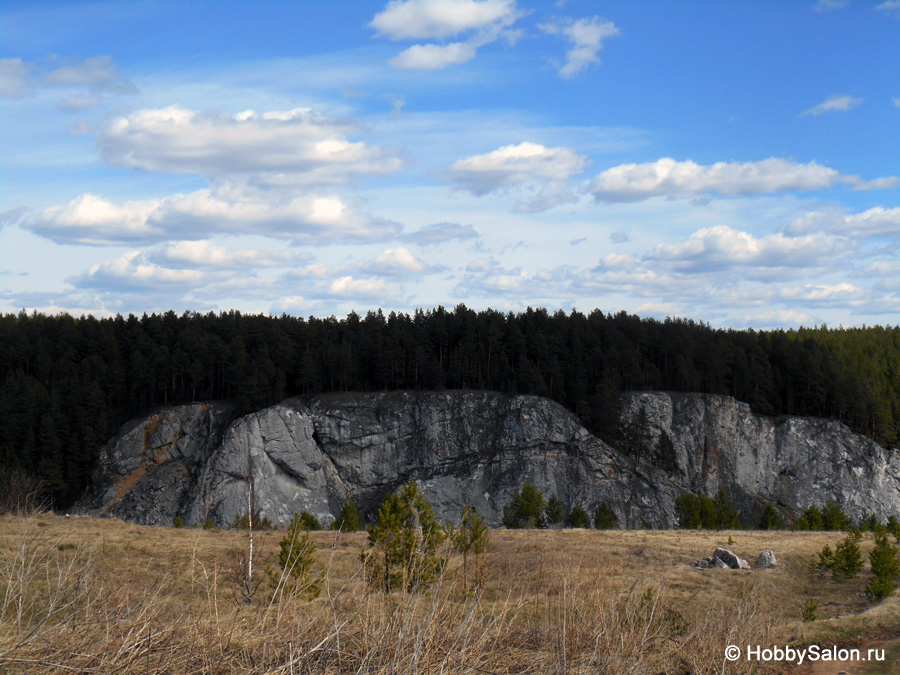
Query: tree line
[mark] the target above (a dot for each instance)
(67, 384)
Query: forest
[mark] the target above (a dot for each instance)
(67, 384)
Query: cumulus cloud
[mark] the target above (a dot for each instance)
(436, 19)
(440, 233)
(435, 57)
(131, 271)
(586, 37)
(667, 177)
(300, 144)
(362, 289)
(399, 262)
(544, 170)
(484, 21)
(723, 247)
(205, 253)
(837, 103)
(875, 222)
(310, 219)
(515, 164)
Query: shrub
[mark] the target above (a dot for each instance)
(296, 557)
(845, 561)
(885, 567)
(811, 519)
(348, 518)
(525, 509)
(771, 519)
(688, 509)
(554, 510)
(605, 518)
(22, 493)
(870, 523)
(834, 518)
(700, 512)
(178, 522)
(403, 542)
(809, 611)
(310, 522)
(472, 536)
(578, 517)
(209, 524)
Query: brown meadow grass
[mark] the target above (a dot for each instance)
(82, 595)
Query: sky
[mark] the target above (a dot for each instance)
(731, 162)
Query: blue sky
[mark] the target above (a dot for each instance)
(731, 162)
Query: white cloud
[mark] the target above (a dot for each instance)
(513, 165)
(362, 289)
(723, 247)
(437, 19)
(300, 144)
(667, 177)
(586, 37)
(484, 22)
(890, 7)
(205, 253)
(875, 222)
(897, 101)
(131, 271)
(836, 103)
(310, 219)
(14, 78)
(435, 57)
(394, 262)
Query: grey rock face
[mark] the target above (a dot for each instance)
(791, 461)
(476, 448)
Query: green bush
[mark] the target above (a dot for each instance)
(310, 522)
(834, 519)
(578, 517)
(473, 536)
(605, 518)
(348, 518)
(885, 568)
(403, 543)
(809, 611)
(178, 522)
(296, 557)
(209, 524)
(771, 519)
(697, 512)
(845, 561)
(554, 510)
(525, 509)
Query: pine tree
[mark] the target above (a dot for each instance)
(404, 541)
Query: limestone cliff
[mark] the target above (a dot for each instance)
(478, 448)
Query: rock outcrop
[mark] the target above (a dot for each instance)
(479, 448)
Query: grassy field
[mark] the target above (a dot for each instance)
(79, 595)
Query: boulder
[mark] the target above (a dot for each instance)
(766, 559)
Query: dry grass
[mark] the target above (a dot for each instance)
(100, 596)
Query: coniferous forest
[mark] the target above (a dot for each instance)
(67, 384)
